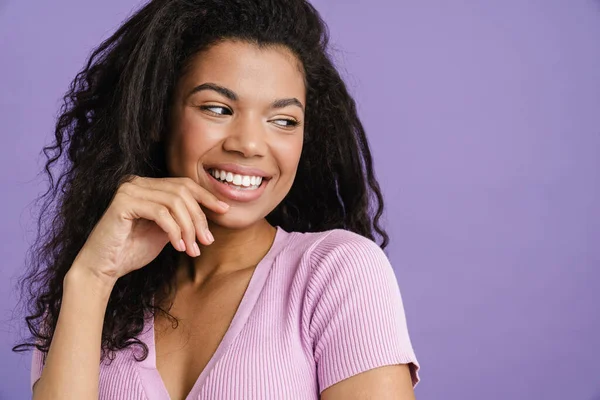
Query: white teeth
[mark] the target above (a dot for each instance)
(236, 179)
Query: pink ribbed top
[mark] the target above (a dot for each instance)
(319, 308)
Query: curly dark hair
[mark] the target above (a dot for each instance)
(113, 123)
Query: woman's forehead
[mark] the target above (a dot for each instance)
(248, 69)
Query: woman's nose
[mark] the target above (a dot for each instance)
(247, 137)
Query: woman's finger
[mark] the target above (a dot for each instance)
(161, 215)
(180, 211)
(196, 215)
(200, 194)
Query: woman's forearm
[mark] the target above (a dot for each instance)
(73, 363)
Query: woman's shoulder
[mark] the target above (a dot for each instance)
(339, 249)
(352, 303)
(332, 238)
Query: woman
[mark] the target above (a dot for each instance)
(213, 238)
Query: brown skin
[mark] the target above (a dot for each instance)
(248, 132)
(390, 382)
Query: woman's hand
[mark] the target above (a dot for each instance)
(143, 216)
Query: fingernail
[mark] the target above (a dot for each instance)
(223, 204)
(209, 236)
(196, 249)
(181, 245)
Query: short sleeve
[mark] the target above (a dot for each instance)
(358, 321)
(37, 364)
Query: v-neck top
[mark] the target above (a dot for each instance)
(320, 307)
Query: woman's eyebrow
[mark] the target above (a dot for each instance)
(231, 95)
(282, 103)
(217, 88)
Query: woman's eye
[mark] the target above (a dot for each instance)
(216, 110)
(286, 123)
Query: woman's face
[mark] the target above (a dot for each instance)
(238, 113)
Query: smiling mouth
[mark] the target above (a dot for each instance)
(236, 181)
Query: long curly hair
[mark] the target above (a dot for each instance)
(113, 123)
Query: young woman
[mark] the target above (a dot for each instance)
(212, 232)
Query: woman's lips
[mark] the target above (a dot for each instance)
(232, 193)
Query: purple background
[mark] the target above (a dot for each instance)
(484, 119)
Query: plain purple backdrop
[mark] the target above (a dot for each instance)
(484, 120)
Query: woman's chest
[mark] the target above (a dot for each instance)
(262, 353)
(255, 365)
(185, 347)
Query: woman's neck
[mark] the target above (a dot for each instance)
(233, 250)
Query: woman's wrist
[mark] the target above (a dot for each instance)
(81, 276)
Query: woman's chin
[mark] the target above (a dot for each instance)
(234, 219)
